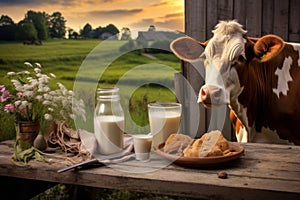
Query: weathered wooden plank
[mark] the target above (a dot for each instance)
(196, 113)
(239, 11)
(254, 17)
(225, 9)
(195, 15)
(267, 17)
(195, 19)
(212, 17)
(294, 22)
(281, 18)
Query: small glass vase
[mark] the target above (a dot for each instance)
(26, 132)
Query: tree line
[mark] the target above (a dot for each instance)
(38, 26)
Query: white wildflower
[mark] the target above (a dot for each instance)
(28, 87)
(37, 70)
(51, 109)
(19, 88)
(16, 83)
(17, 103)
(26, 72)
(72, 116)
(52, 75)
(48, 116)
(53, 93)
(23, 105)
(28, 94)
(43, 88)
(39, 97)
(61, 87)
(46, 102)
(38, 65)
(11, 73)
(44, 79)
(28, 64)
(47, 97)
(65, 103)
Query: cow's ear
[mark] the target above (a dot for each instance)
(187, 49)
(268, 47)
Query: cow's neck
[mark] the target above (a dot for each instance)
(252, 103)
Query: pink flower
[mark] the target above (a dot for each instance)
(20, 94)
(5, 95)
(9, 108)
(23, 111)
(2, 88)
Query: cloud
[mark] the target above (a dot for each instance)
(174, 15)
(53, 2)
(18, 2)
(175, 24)
(36, 3)
(114, 13)
(172, 21)
(163, 3)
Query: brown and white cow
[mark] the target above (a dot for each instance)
(259, 78)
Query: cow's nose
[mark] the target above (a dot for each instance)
(210, 95)
(204, 96)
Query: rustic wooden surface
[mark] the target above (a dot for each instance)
(263, 172)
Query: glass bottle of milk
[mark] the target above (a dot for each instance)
(109, 121)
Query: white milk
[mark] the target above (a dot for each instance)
(163, 126)
(109, 133)
(142, 146)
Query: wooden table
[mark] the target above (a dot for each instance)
(264, 171)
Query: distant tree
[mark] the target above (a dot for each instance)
(86, 30)
(126, 33)
(7, 28)
(99, 31)
(72, 34)
(57, 25)
(39, 21)
(26, 31)
(112, 29)
(6, 20)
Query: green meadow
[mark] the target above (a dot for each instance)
(84, 65)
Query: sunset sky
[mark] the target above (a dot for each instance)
(134, 14)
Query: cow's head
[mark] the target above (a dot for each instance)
(225, 54)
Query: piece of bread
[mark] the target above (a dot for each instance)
(210, 144)
(176, 143)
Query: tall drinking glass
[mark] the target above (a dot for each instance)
(164, 120)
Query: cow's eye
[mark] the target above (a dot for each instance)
(241, 58)
(233, 63)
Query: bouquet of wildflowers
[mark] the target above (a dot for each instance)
(30, 98)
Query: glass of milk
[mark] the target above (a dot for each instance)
(142, 146)
(164, 120)
(109, 121)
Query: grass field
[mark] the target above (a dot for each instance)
(85, 65)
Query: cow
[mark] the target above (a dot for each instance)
(258, 78)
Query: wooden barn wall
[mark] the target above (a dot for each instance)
(258, 17)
